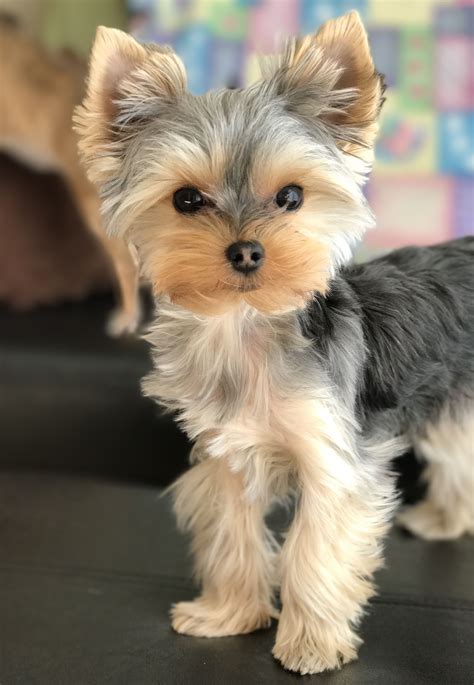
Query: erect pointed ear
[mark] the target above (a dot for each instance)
(127, 82)
(331, 76)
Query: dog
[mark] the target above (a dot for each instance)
(292, 371)
(37, 98)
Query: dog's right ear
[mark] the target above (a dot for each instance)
(127, 84)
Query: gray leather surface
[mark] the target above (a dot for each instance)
(70, 398)
(89, 568)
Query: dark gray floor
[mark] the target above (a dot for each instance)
(89, 569)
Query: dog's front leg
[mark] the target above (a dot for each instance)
(233, 553)
(329, 556)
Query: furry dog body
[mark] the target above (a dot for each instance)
(322, 397)
(292, 372)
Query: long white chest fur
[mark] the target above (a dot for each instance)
(249, 389)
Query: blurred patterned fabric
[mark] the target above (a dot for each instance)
(422, 188)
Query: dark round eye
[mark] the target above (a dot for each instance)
(188, 200)
(290, 197)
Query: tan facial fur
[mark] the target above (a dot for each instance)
(187, 261)
(183, 256)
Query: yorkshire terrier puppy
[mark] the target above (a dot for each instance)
(291, 371)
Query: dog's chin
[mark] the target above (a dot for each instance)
(243, 296)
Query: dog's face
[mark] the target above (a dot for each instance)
(236, 196)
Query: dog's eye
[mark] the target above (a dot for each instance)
(188, 200)
(290, 197)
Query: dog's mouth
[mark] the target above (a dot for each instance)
(242, 287)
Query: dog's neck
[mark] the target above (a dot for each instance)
(210, 368)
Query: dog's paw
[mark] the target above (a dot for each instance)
(123, 322)
(427, 521)
(305, 654)
(202, 618)
(306, 659)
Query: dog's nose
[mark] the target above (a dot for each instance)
(246, 256)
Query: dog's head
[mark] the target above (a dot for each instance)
(235, 196)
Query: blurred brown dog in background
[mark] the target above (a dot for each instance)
(37, 98)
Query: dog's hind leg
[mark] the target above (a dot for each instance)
(447, 512)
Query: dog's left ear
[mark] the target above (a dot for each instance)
(331, 76)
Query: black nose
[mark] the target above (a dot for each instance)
(245, 256)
